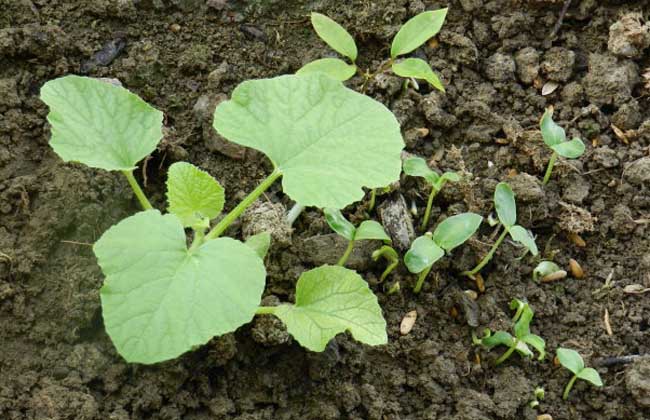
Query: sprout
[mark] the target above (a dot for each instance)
(390, 255)
(367, 230)
(572, 360)
(555, 138)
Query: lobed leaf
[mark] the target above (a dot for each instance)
(99, 124)
(333, 67)
(326, 140)
(334, 35)
(422, 254)
(416, 166)
(590, 375)
(371, 230)
(551, 132)
(259, 243)
(339, 223)
(193, 195)
(329, 301)
(416, 31)
(159, 300)
(455, 230)
(521, 235)
(504, 202)
(570, 149)
(570, 359)
(419, 69)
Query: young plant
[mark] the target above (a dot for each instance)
(367, 230)
(416, 166)
(547, 271)
(522, 335)
(390, 255)
(160, 297)
(411, 35)
(572, 360)
(427, 249)
(555, 137)
(504, 202)
(538, 395)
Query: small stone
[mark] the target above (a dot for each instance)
(195, 58)
(609, 81)
(573, 93)
(408, 322)
(628, 116)
(500, 67)
(558, 64)
(264, 216)
(175, 27)
(203, 110)
(527, 61)
(328, 249)
(463, 49)
(527, 188)
(432, 105)
(605, 157)
(638, 172)
(637, 382)
(575, 219)
(8, 94)
(628, 36)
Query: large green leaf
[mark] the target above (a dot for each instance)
(329, 301)
(333, 67)
(259, 243)
(327, 140)
(417, 31)
(422, 254)
(416, 166)
(455, 230)
(334, 35)
(504, 202)
(419, 69)
(159, 300)
(193, 194)
(339, 223)
(551, 132)
(99, 124)
(570, 149)
(570, 359)
(371, 230)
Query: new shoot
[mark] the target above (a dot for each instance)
(555, 138)
(367, 230)
(390, 255)
(572, 360)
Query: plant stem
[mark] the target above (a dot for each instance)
(388, 270)
(346, 254)
(549, 168)
(507, 354)
(199, 238)
(427, 212)
(568, 387)
(489, 255)
(423, 275)
(264, 310)
(241, 207)
(373, 199)
(369, 77)
(294, 213)
(144, 202)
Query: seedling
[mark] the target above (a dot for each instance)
(504, 202)
(416, 166)
(522, 335)
(548, 271)
(390, 255)
(411, 35)
(161, 298)
(427, 249)
(572, 360)
(555, 137)
(367, 230)
(538, 395)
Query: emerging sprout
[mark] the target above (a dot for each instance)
(427, 249)
(522, 335)
(416, 166)
(390, 255)
(504, 201)
(548, 271)
(538, 395)
(572, 360)
(367, 230)
(555, 137)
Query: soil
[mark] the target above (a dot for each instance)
(184, 56)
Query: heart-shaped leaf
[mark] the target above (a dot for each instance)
(333, 67)
(422, 254)
(159, 300)
(521, 235)
(570, 359)
(570, 149)
(417, 31)
(99, 124)
(334, 35)
(419, 69)
(455, 230)
(371, 230)
(325, 139)
(193, 194)
(551, 132)
(329, 301)
(504, 201)
(340, 224)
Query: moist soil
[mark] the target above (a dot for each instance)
(495, 58)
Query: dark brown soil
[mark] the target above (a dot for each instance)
(56, 362)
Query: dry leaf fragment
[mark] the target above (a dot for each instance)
(620, 134)
(635, 289)
(549, 87)
(558, 275)
(576, 270)
(408, 322)
(577, 240)
(608, 326)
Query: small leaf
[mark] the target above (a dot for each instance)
(422, 254)
(570, 149)
(521, 235)
(333, 67)
(327, 141)
(339, 223)
(416, 166)
(537, 343)
(545, 268)
(455, 230)
(551, 132)
(159, 300)
(371, 230)
(329, 301)
(570, 359)
(334, 35)
(504, 201)
(417, 31)
(498, 338)
(447, 176)
(590, 375)
(522, 326)
(259, 243)
(100, 125)
(522, 349)
(419, 69)
(193, 194)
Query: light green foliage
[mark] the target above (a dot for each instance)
(390, 255)
(544, 268)
(504, 202)
(419, 69)
(417, 31)
(572, 360)
(334, 35)
(329, 301)
(367, 230)
(422, 254)
(522, 336)
(333, 67)
(555, 137)
(260, 243)
(99, 124)
(340, 224)
(327, 141)
(159, 299)
(371, 230)
(193, 195)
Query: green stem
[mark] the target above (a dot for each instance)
(346, 254)
(427, 212)
(373, 199)
(241, 207)
(549, 168)
(369, 77)
(388, 270)
(423, 275)
(507, 354)
(144, 202)
(199, 238)
(568, 387)
(265, 310)
(489, 255)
